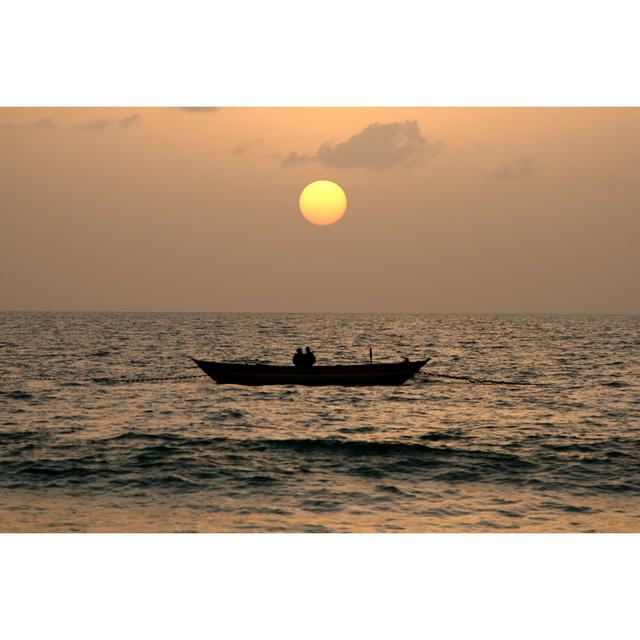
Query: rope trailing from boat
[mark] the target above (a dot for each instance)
(26, 378)
(103, 380)
(164, 379)
(480, 380)
(204, 375)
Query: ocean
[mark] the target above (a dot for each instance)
(518, 423)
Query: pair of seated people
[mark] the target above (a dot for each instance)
(306, 359)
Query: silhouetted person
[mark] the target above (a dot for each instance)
(309, 358)
(299, 358)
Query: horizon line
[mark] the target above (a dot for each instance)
(416, 313)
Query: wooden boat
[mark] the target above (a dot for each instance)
(345, 375)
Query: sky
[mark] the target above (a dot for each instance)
(450, 210)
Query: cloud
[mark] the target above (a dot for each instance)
(295, 159)
(119, 124)
(247, 148)
(200, 109)
(378, 146)
(94, 125)
(520, 168)
(614, 181)
(43, 123)
(131, 121)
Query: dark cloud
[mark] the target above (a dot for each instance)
(247, 148)
(520, 168)
(44, 123)
(378, 146)
(118, 124)
(200, 109)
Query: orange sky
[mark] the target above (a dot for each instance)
(450, 210)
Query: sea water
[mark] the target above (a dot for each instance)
(106, 425)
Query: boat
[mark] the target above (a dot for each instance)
(356, 375)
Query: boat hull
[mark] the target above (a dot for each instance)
(348, 375)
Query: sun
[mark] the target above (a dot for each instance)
(323, 202)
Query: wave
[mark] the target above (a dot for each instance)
(133, 460)
(7, 437)
(390, 448)
(131, 436)
(17, 395)
(435, 436)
